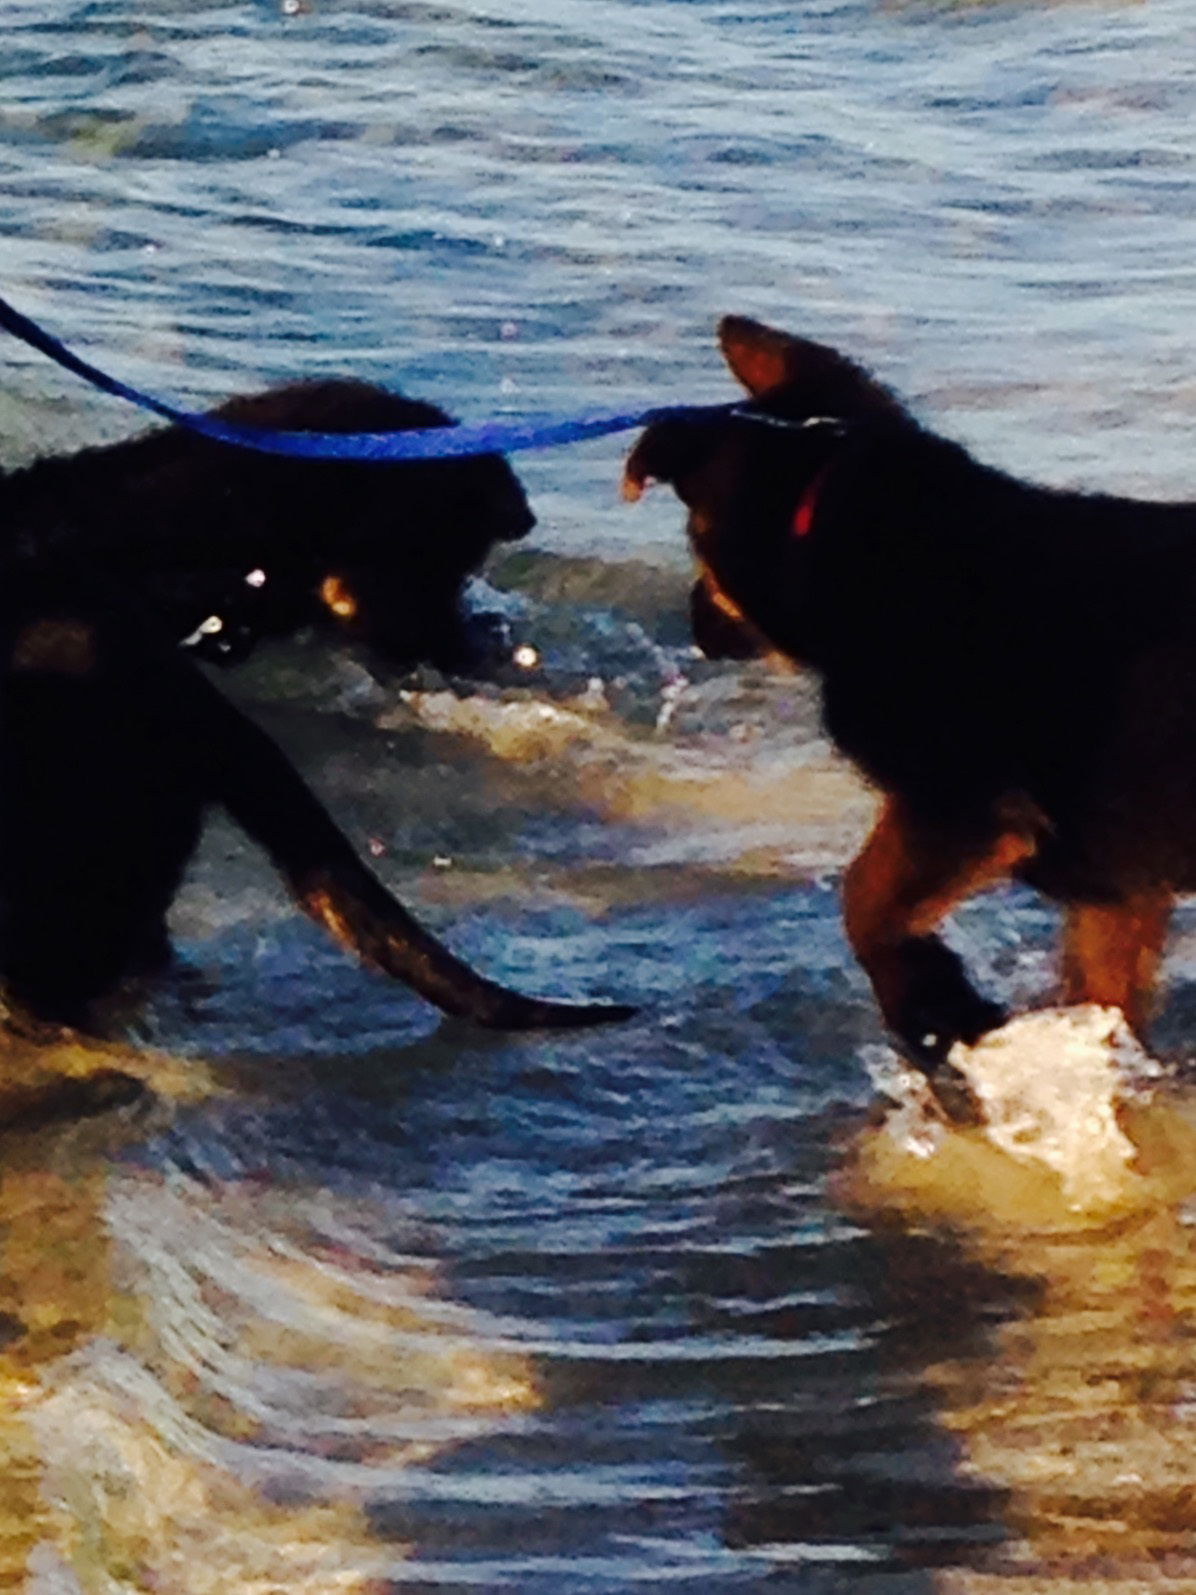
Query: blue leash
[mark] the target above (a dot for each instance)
(425, 443)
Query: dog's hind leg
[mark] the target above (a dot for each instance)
(263, 793)
(907, 878)
(1111, 952)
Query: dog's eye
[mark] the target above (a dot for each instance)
(337, 596)
(255, 578)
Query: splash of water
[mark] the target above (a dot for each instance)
(1052, 1086)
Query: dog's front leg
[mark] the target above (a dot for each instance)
(909, 875)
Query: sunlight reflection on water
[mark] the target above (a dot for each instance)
(366, 1298)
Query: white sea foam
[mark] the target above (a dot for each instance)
(1051, 1086)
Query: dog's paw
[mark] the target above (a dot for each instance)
(937, 1005)
(953, 1093)
(929, 1051)
(930, 1036)
(939, 1008)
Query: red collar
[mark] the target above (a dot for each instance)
(803, 515)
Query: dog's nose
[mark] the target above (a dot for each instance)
(519, 524)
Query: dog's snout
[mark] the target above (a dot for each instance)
(519, 523)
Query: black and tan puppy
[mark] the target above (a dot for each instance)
(228, 545)
(1013, 667)
(112, 745)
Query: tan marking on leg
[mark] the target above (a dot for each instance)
(907, 879)
(1111, 952)
(726, 605)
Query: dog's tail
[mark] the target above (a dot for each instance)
(362, 915)
(264, 794)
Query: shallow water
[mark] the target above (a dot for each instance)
(371, 1301)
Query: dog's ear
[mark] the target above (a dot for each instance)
(817, 379)
(667, 451)
(761, 357)
(638, 472)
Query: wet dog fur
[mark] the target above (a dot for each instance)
(113, 745)
(255, 545)
(1013, 667)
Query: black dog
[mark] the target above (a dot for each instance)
(112, 745)
(1013, 667)
(228, 545)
